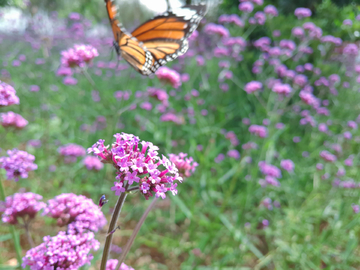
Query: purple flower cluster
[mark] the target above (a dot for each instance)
(253, 86)
(327, 156)
(11, 119)
(75, 211)
(186, 166)
(21, 205)
(111, 264)
(7, 95)
(168, 75)
(217, 29)
(138, 161)
(271, 173)
(17, 164)
(93, 163)
(302, 12)
(259, 131)
(78, 56)
(71, 152)
(63, 251)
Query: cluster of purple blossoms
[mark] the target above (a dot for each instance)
(302, 12)
(281, 88)
(78, 56)
(253, 86)
(158, 94)
(138, 161)
(75, 211)
(232, 137)
(71, 152)
(327, 156)
(271, 10)
(233, 18)
(17, 164)
(216, 29)
(63, 251)
(93, 163)
(168, 75)
(11, 119)
(171, 117)
(21, 205)
(259, 131)
(268, 203)
(271, 173)
(7, 95)
(287, 165)
(246, 7)
(186, 166)
(111, 264)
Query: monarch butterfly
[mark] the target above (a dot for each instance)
(157, 41)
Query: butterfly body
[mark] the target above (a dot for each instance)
(157, 41)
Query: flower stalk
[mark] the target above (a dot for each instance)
(114, 219)
(134, 233)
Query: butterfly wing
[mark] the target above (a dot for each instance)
(128, 47)
(165, 36)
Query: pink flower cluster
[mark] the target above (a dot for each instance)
(168, 75)
(302, 12)
(327, 156)
(7, 95)
(11, 119)
(272, 173)
(78, 56)
(71, 152)
(111, 264)
(17, 164)
(63, 251)
(75, 211)
(93, 163)
(138, 161)
(287, 165)
(259, 131)
(171, 117)
(21, 205)
(233, 18)
(158, 94)
(253, 86)
(186, 166)
(217, 29)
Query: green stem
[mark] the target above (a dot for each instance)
(14, 235)
(134, 233)
(114, 219)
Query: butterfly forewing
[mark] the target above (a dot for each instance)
(157, 41)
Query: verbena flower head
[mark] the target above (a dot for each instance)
(287, 165)
(63, 251)
(327, 156)
(138, 161)
(21, 205)
(170, 76)
(260, 131)
(253, 86)
(7, 95)
(271, 10)
(269, 169)
(302, 12)
(93, 163)
(78, 56)
(75, 211)
(71, 152)
(111, 264)
(17, 164)
(247, 7)
(11, 119)
(186, 166)
(216, 29)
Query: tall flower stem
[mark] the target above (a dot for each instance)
(14, 235)
(27, 232)
(134, 233)
(114, 219)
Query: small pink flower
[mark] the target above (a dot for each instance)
(170, 76)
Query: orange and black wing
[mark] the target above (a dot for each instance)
(127, 46)
(165, 36)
